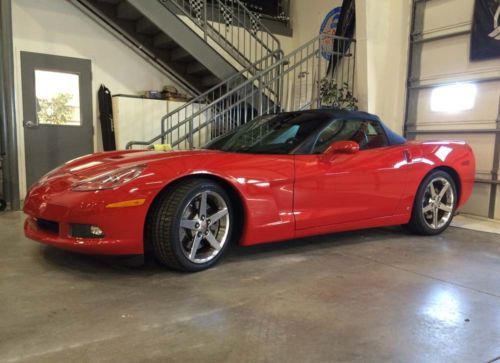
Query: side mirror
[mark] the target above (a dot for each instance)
(340, 147)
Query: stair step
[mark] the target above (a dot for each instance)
(179, 54)
(164, 41)
(126, 11)
(145, 26)
(196, 68)
(113, 2)
(209, 81)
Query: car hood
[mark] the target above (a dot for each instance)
(101, 163)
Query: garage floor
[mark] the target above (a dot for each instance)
(375, 295)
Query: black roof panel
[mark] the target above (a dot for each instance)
(392, 137)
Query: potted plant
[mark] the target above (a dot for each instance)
(336, 96)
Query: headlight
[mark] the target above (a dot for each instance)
(110, 180)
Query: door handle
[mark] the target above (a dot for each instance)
(30, 124)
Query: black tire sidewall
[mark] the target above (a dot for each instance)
(174, 233)
(417, 222)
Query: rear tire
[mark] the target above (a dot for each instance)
(434, 204)
(3, 205)
(191, 225)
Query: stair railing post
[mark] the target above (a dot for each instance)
(205, 25)
(319, 72)
(190, 138)
(279, 86)
(261, 96)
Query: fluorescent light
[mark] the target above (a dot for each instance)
(454, 98)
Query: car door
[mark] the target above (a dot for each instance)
(349, 187)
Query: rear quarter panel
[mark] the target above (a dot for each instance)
(430, 155)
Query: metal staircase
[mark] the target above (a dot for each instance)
(197, 42)
(231, 25)
(223, 54)
(271, 84)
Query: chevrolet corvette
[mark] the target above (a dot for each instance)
(278, 177)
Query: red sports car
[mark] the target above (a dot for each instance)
(277, 177)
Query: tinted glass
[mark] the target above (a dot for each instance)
(368, 134)
(271, 134)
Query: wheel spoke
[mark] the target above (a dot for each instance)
(216, 216)
(188, 224)
(445, 188)
(438, 202)
(213, 241)
(446, 208)
(432, 189)
(201, 233)
(428, 208)
(196, 244)
(203, 204)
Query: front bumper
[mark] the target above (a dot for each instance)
(59, 208)
(94, 246)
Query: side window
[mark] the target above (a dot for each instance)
(283, 136)
(368, 134)
(375, 136)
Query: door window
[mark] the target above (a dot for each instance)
(57, 111)
(57, 96)
(368, 134)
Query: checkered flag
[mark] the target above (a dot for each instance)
(197, 8)
(255, 22)
(227, 14)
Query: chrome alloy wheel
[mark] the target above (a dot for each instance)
(204, 227)
(438, 203)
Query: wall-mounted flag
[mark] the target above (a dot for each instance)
(485, 37)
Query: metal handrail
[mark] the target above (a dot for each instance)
(272, 87)
(247, 41)
(225, 85)
(220, 89)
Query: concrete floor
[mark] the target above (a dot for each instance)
(372, 296)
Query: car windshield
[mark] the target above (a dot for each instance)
(271, 134)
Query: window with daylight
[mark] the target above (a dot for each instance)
(57, 98)
(454, 98)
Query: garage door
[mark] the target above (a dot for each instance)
(451, 97)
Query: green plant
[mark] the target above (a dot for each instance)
(333, 95)
(55, 111)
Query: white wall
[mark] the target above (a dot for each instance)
(57, 27)
(382, 34)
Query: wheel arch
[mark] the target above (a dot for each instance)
(453, 174)
(236, 198)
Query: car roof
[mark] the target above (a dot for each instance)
(338, 113)
(392, 137)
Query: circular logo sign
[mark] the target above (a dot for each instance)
(329, 27)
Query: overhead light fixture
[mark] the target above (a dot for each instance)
(454, 97)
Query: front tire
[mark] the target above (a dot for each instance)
(434, 205)
(191, 225)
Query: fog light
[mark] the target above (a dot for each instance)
(96, 231)
(86, 231)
